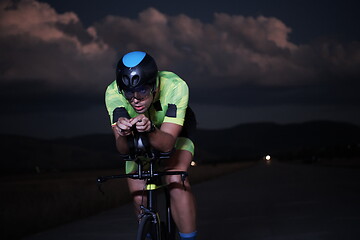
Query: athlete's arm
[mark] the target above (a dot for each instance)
(121, 129)
(162, 139)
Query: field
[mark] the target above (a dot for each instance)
(33, 203)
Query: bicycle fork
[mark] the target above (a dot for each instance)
(151, 210)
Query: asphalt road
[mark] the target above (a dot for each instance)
(280, 201)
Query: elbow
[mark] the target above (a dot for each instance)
(169, 149)
(170, 145)
(166, 145)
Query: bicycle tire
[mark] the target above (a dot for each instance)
(148, 226)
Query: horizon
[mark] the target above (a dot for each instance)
(3, 134)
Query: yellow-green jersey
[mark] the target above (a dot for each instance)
(170, 105)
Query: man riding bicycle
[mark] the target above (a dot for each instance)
(155, 102)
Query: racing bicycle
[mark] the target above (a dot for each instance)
(152, 222)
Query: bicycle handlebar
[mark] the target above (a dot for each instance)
(148, 152)
(143, 175)
(139, 145)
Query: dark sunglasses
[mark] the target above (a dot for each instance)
(139, 93)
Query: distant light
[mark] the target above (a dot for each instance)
(267, 157)
(193, 164)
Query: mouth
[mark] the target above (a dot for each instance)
(139, 108)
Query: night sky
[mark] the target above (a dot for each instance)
(244, 61)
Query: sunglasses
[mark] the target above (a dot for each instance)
(140, 93)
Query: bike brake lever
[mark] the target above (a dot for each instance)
(99, 187)
(183, 178)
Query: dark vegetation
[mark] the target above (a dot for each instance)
(313, 140)
(310, 141)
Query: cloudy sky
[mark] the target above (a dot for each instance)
(245, 61)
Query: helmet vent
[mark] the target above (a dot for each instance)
(126, 80)
(135, 80)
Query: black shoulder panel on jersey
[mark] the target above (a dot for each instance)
(171, 111)
(120, 112)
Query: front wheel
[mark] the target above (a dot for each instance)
(149, 228)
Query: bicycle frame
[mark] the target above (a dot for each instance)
(151, 177)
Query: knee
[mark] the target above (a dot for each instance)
(176, 185)
(138, 199)
(136, 190)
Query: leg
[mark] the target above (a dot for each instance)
(136, 188)
(182, 200)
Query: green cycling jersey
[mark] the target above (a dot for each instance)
(169, 106)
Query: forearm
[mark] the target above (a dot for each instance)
(121, 143)
(162, 141)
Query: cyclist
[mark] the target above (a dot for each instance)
(155, 102)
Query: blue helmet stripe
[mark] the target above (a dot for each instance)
(133, 58)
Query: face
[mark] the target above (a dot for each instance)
(140, 98)
(141, 106)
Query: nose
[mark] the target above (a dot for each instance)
(137, 95)
(135, 100)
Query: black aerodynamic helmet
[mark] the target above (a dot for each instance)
(136, 69)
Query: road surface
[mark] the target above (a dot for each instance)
(276, 202)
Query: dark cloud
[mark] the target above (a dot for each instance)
(51, 61)
(39, 43)
(305, 95)
(230, 46)
(34, 96)
(239, 50)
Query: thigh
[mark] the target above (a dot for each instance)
(179, 161)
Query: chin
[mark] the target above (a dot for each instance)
(142, 111)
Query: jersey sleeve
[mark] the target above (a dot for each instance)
(115, 103)
(177, 101)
